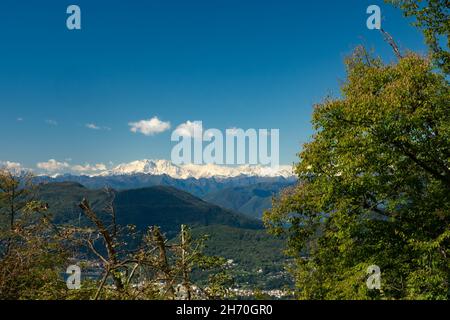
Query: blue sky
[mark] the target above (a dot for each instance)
(230, 63)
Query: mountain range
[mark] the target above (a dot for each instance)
(248, 190)
(163, 206)
(251, 200)
(257, 255)
(165, 167)
(187, 171)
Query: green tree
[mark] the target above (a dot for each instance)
(32, 253)
(15, 188)
(374, 186)
(151, 268)
(433, 18)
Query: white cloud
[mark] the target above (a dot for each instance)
(87, 168)
(149, 127)
(56, 167)
(92, 126)
(53, 166)
(19, 119)
(51, 122)
(13, 167)
(191, 129)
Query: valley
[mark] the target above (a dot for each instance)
(256, 258)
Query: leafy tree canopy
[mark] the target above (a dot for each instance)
(374, 186)
(433, 18)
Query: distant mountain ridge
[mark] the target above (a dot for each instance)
(169, 208)
(257, 255)
(251, 200)
(247, 189)
(165, 167)
(163, 206)
(198, 187)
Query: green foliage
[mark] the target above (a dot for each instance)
(433, 17)
(374, 187)
(258, 259)
(31, 254)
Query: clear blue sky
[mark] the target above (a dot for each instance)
(229, 63)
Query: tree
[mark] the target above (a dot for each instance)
(111, 244)
(33, 253)
(151, 268)
(15, 187)
(374, 186)
(433, 17)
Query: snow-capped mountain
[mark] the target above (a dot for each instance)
(165, 167)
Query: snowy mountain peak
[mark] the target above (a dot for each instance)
(165, 167)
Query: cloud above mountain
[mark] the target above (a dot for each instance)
(52, 166)
(11, 166)
(149, 127)
(190, 129)
(89, 169)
